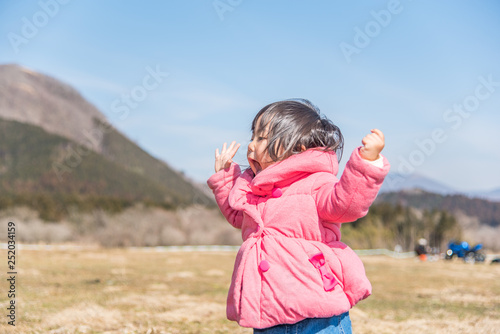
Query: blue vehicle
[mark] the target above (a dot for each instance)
(464, 251)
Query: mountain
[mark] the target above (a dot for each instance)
(478, 218)
(492, 195)
(30, 97)
(58, 151)
(395, 182)
(486, 211)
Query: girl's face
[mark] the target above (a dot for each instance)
(257, 154)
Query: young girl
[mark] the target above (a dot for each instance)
(292, 274)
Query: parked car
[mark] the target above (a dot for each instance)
(464, 251)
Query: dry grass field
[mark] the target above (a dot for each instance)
(134, 291)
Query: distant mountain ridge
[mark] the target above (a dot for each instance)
(395, 182)
(492, 195)
(46, 158)
(486, 211)
(478, 218)
(30, 97)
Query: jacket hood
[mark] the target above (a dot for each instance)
(293, 168)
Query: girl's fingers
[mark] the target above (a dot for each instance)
(223, 158)
(234, 150)
(375, 136)
(226, 155)
(378, 133)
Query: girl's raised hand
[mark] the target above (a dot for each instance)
(372, 145)
(225, 157)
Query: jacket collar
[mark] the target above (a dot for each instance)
(292, 169)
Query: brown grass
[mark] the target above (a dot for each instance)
(134, 291)
(433, 297)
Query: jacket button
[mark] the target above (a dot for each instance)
(277, 192)
(264, 265)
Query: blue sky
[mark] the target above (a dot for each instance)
(426, 73)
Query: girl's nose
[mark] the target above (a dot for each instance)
(251, 146)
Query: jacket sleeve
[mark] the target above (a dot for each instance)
(221, 184)
(349, 198)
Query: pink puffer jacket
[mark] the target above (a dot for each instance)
(292, 265)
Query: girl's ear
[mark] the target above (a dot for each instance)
(302, 148)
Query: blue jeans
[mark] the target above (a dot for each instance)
(338, 324)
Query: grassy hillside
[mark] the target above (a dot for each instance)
(28, 156)
(120, 150)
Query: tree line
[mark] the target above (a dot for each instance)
(388, 225)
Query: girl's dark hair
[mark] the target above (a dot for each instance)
(294, 124)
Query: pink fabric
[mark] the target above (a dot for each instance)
(290, 213)
(329, 281)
